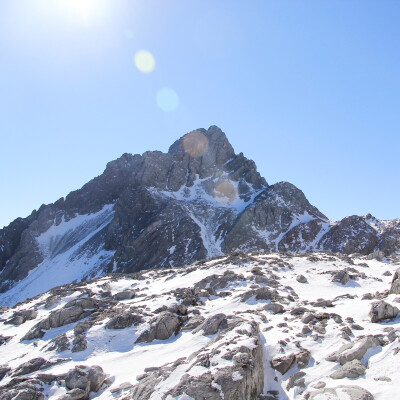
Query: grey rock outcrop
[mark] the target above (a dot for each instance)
(82, 380)
(354, 350)
(341, 392)
(352, 369)
(30, 366)
(161, 328)
(71, 312)
(283, 363)
(351, 235)
(22, 392)
(244, 379)
(124, 320)
(395, 287)
(212, 324)
(301, 279)
(59, 343)
(19, 317)
(4, 369)
(341, 277)
(276, 308)
(382, 310)
(193, 322)
(125, 295)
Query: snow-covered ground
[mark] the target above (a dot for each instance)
(281, 334)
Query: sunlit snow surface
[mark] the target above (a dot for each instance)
(123, 360)
(69, 255)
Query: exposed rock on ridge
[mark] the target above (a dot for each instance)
(197, 201)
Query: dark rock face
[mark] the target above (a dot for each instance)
(157, 209)
(351, 235)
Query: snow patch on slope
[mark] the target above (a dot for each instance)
(198, 193)
(68, 256)
(211, 243)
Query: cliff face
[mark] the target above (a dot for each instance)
(197, 201)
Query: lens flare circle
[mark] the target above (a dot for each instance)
(145, 61)
(226, 193)
(195, 143)
(167, 99)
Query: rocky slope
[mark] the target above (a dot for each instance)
(245, 326)
(197, 201)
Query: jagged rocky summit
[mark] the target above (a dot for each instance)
(197, 201)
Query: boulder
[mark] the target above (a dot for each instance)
(19, 317)
(283, 363)
(308, 317)
(4, 369)
(96, 377)
(341, 277)
(124, 320)
(125, 295)
(353, 351)
(79, 343)
(276, 308)
(395, 287)
(322, 303)
(64, 316)
(4, 339)
(73, 311)
(82, 327)
(299, 310)
(264, 293)
(30, 366)
(381, 310)
(193, 322)
(74, 394)
(212, 324)
(77, 378)
(301, 279)
(24, 392)
(353, 369)
(303, 358)
(297, 379)
(87, 379)
(161, 328)
(121, 387)
(340, 393)
(59, 343)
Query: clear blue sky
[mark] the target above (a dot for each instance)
(310, 90)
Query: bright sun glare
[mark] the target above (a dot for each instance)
(81, 10)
